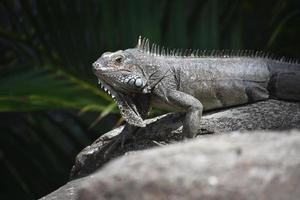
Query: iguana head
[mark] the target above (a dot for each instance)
(121, 71)
(120, 75)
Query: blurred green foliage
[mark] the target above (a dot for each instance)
(47, 47)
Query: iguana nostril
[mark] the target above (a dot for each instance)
(96, 66)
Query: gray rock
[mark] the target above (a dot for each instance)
(237, 166)
(68, 191)
(166, 129)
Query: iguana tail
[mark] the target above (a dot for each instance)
(284, 81)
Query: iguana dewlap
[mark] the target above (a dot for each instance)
(192, 81)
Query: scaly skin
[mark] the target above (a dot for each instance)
(139, 78)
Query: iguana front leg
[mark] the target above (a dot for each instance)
(193, 108)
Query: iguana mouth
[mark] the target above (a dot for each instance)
(126, 105)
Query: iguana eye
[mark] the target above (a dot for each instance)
(119, 60)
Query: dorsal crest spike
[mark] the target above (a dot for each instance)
(163, 53)
(180, 52)
(197, 53)
(152, 48)
(147, 46)
(212, 53)
(185, 54)
(193, 53)
(176, 52)
(155, 49)
(144, 47)
(256, 54)
(172, 52)
(139, 42)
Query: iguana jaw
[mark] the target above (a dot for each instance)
(126, 105)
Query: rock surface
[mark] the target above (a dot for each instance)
(166, 129)
(254, 165)
(238, 166)
(68, 191)
(213, 166)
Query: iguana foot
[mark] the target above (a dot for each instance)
(127, 133)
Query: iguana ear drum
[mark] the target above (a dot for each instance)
(138, 82)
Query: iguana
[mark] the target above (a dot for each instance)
(191, 81)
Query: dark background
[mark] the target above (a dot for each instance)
(51, 106)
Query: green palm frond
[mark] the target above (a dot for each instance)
(48, 89)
